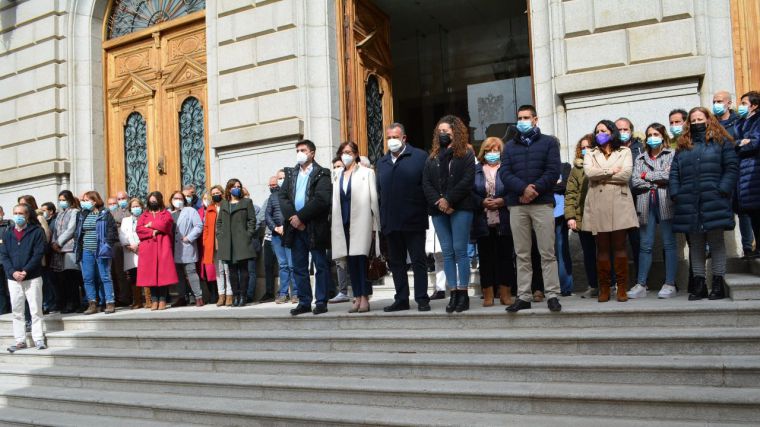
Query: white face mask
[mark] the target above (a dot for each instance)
(178, 204)
(301, 157)
(347, 159)
(394, 145)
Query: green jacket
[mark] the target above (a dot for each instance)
(575, 194)
(234, 230)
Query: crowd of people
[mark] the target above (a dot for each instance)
(514, 203)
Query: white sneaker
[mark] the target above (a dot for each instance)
(637, 291)
(341, 297)
(667, 291)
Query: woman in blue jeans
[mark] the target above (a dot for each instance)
(447, 182)
(651, 174)
(96, 236)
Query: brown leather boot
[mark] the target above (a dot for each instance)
(228, 301)
(110, 308)
(222, 299)
(162, 305)
(154, 306)
(136, 303)
(603, 269)
(148, 304)
(505, 295)
(92, 308)
(487, 297)
(621, 276)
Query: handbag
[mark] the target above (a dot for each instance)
(376, 265)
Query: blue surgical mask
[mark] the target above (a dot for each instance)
(654, 141)
(676, 130)
(718, 109)
(524, 125)
(112, 208)
(236, 192)
(625, 136)
(583, 152)
(743, 110)
(63, 205)
(19, 220)
(123, 204)
(189, 200)
(492, 158)
(87, 205)
(136, 211)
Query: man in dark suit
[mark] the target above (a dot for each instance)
(403, 216)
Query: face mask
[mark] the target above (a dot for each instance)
(347, 159)
(153, 206)
(743, 110)
(280, 182)
(87, 205)
(189, 200)
(394, 145)
(583, 152)
(444, 139)
(524, 125)
(178, 204)
(113, 207)
(123, 204)
(603, 138)
(19, 220)
(137, 211)
(46, 215)
(718, 109)
(654, 141)
(492, 158)
(236, 192)
(698, 127)
(301, 157)
(676, 130)
(216, 198)
(63, 205)
(625, 136)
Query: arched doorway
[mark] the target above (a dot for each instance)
(155, 94)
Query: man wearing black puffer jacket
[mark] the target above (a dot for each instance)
(530, 168)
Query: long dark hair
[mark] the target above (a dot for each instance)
(659, 127)
(230, 185)
(69, 196)
(615, 141)
(159, 199)
(460, 141)
(715, 132)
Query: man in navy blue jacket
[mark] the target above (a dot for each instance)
(403, 216)
(530, 167)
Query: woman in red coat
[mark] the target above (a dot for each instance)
(156, 266)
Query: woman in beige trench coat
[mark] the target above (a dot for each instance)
(609, 211)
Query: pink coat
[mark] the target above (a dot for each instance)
(156, 266)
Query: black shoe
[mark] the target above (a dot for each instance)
(68, 310)
(566, 294)
(690, 288)
(423, 306)
(519, 305)
(319, 309)
(718, 288)
(463, 303)
(438, 295)
(554, 304)
(181, 302)
(699, 290)
(266, 298)
(242, 301)
(453, 301)
(397, 306)
(300, 309)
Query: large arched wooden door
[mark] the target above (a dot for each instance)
(155, 89)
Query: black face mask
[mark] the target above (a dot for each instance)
(216, 198)
(698, 127)
(272, 190)
(444, 139)
(153, 206)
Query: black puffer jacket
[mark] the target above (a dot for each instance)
(458, 188)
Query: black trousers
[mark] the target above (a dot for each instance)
(497, 262)
(67, 288)
(270, 261)
(239, 277)
(399, 244)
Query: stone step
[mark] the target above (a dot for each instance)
(576, 313)
(743, 286)
(41, 418)
(211, 410)
(729, 371)
(656, 340)
(707, 404)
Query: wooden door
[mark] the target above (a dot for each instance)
(745, 20)
(150, 76)
(365, 73)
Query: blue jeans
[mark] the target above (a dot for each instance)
(562, 249)
(285, 261)
(94, 268)
(454, 234)
(251, 278)
(647, 233)
(300, 252)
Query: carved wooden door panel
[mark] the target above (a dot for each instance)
(366, 95)
(148, 79)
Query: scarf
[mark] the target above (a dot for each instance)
(530, 136)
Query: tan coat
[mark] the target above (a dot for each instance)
(609, 205)
(364, 214)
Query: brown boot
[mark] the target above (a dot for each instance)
(110, 308)
(146, 294)
(162, 305)
(603, 268)
(505, 295)
(228, 301)
(92, 308)
(621, 275)
(136, 303)
(487, 297)
(222, 299)
(154, 306)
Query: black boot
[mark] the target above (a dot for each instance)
(718, 288)
(699, 290)
(463, 304)
(453, 301)
(236, 300)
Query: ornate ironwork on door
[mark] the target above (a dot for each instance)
(374, 99)
(136, 156)
(129, 16)
(192, 145)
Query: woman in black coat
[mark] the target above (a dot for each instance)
(702, 179)
(235, 227)
(447, 182)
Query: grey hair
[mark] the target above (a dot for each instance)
(395, 125)
(189, 187)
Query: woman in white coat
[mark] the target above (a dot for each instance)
(129, 240)
(354, 218)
